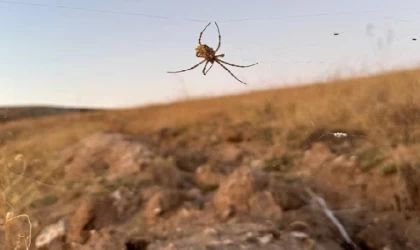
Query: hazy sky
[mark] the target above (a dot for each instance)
(67, 52)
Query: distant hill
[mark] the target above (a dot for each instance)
(16, 113)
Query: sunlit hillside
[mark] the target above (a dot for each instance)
(382, 105)
(375, 115)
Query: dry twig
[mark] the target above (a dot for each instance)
(331, 216)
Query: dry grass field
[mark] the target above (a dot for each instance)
(200, 145)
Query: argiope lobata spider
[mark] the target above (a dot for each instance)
(209, 55)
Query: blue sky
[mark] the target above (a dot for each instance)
(67, 52)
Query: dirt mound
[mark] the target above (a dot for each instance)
(113, 156)
(96, 213)
(246, 191)
(116, 153)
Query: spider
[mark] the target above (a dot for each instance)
(209, 55)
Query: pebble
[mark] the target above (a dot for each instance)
(265, 239)
(210, 232)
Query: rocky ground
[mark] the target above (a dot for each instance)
(127, 192)
(263, 171)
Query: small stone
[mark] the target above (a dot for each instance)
(299, 235)
(265, 239)
(157, 210)
(214, 243)
(116, 195)
(50, 233)
(236, 192)
(185, 212)
(299, 226)
(250, 237)
(170, 246)
(227, 242)
(194, 193)
(210, 232)
(257, 164)
(230, 153)
(214, 138)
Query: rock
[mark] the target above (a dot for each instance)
(303, 239)
(51, 233)
(126, 202)
(265, 239)
(189, 160)
(214, 139)
(242, 191)
(194, 194)
(250, 237)
(208, 177)
(170, 246)
(287, 195)
(91, 214)
(163, 202)
(229, 154)
(165, 173)
(257, 164)
(342, 161)
(262, 204)
(299, 226)
(111, 152)
(210, 232)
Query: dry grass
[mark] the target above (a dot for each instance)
(381, 104)
(386, 107)
(17, 235)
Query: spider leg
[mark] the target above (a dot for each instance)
(193, 67)
(235, 65)
(201, 33)
(205, 66)
(205, 73)
(220, 38)
(221, 55)
(223, 66)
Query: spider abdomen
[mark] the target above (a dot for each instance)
(205, 52)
